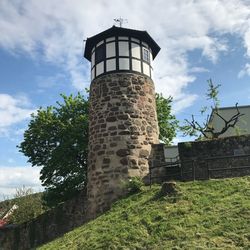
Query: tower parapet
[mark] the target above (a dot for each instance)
(123, 120)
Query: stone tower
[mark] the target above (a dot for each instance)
(123, 120)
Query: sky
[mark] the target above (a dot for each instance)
(41, 56)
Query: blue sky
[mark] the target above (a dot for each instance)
(41, 47)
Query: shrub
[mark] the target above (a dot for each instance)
(134, 185)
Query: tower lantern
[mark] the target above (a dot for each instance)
(120, 50)
(123, 120)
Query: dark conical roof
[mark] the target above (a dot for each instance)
(142, 35)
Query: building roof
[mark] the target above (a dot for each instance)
(232, 107)
(226, 108)
(142, 35)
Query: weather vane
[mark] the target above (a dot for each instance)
(121, 21)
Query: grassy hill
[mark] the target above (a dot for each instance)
(211, 214)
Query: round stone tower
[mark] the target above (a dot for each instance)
(123, 121)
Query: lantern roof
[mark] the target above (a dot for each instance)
(119, 31)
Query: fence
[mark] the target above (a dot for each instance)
(200, 168)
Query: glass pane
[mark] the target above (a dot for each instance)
(110, 39)
(146, 69)
(111, 65)
(100, 53)
(123, 49)
(145, 55)
(93, 59)
(135, 40)
(99, 43)
(92, 73)
(124, 63)
(136, 50)
(110, 49)
(144, 44)
(123, 38)
(99, 68)
(136, 65)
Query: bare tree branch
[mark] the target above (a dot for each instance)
(205, 130)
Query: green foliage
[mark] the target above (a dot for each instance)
(212, 214)
(134, 185)
(167, 122)
(30, 205)
(212, 93)
(57, 140)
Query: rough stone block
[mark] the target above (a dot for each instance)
(123, 152)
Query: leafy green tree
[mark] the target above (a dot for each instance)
(167, 122)
(29, 205)
(57, 141)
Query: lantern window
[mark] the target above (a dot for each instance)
(146, 55)
(100, 53)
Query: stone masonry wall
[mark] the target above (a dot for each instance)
(161, 170)
(123, 125)
(45, 227)
(157, 163)
(220, 158)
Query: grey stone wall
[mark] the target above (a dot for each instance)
(123, 125)
(219, 158)
(157, 163)
(162, 170)
(46, 227)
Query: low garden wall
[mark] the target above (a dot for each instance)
(156, 163)
(202, 160)
(218, 158)
(161, 170)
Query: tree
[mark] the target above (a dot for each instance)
(194, 128)
(166, 120)
(57, 141)
(29, 204)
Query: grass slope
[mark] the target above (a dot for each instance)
(211, 214)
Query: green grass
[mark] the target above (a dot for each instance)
(211, 214)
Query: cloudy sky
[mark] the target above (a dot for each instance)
(41, 48)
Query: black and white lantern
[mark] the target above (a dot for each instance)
(119, 49)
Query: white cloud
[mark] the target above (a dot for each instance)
(184, 100)
(198, 70)
(49, 82)
(247, 42)
(245, 71)
(54, 30)
(12, 178)
(13, 110)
